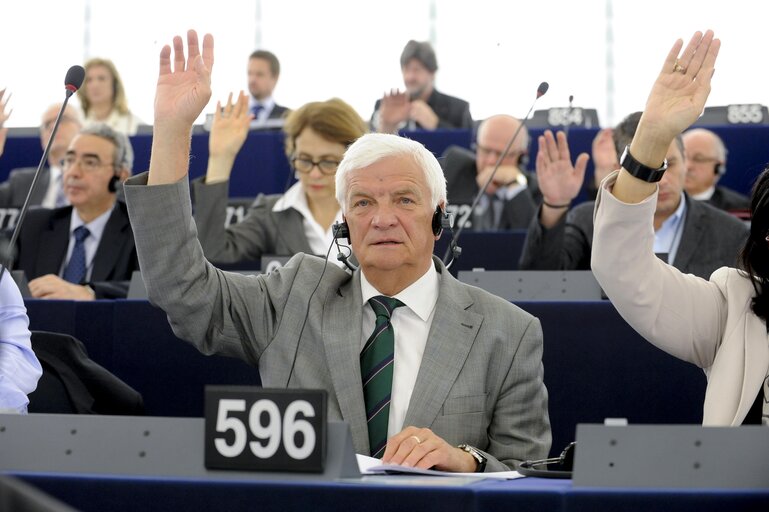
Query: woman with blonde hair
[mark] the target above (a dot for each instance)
(301, 220)
(103, 97)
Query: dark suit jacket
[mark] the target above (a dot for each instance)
(452, 112)
(72, 383)
(43, 242)
(278, 111)
(710, 239)
(261, 232)
(14, 190)
(460, 171)
(729, 200)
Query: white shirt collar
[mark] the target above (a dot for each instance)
(704, 196)
(420, 296)
(95, 227)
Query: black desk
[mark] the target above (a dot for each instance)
(101, 493)
(596, 366)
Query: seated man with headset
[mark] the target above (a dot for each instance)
(510, 201)
(84, 251)
(427, 371)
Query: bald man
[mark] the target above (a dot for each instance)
(705, 164)
(48, 192)
(510, 200)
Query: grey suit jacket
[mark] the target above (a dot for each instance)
(480, 381)
(710, 239)
(14, 190)
(727, 199)
(262, 231)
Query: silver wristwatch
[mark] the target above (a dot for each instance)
(477, 455)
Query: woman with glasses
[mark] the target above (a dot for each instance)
(300, 220)
(718, 324)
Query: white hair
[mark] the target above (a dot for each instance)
(720, 147)
(372, 147)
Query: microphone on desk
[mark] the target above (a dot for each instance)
(72, 82)
(451, 250)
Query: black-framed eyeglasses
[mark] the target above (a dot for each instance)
(88, 163)
(305, 165)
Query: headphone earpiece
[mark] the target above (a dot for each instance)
(341, 230)
(112, 185)
(523, 161)
(720, 169)
(441, 221)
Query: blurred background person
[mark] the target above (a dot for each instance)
(510, 200)
(84, 251)
(103, 98)
(49, 192)
(317, 135)
(705, 164)
(420, 106)
(263, 74)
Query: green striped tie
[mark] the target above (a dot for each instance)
(376, 367)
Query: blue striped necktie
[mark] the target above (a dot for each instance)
(376, 366)
(75, 270)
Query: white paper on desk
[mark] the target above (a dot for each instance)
(371, 466)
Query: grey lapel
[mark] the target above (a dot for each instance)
(289, 232)
(690, 236)
(451, 337)
(342, 338)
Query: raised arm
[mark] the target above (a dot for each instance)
(182, 93)
(676, 100)
(228, 133)
(559, 180)
(4, 115)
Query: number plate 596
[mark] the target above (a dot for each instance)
(252, 428)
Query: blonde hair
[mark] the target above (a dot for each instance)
(119, 101)
(333, 119)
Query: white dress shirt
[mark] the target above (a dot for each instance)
(54, 187)
(411, 326)
(319, 239)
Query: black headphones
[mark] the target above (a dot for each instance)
(112, 185)
(720, 169)
(441, 220)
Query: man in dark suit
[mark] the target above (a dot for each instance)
(509, 201)
(263, 74)
(84, 251)
(705, 164)
(420, 106)
(692, 236)
(48, 192)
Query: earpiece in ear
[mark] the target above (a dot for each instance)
(112, 185)
(441, 221)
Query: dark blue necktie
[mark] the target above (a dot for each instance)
(75, 270)
(256, 110)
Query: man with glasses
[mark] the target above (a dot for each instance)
(705, 164)
(510, 199)
(84, 251)
(48, 192)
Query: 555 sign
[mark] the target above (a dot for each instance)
(251, 428)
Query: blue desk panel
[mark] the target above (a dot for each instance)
(95, 493)
(596, 366)
(261, 166)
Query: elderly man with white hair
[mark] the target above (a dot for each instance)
(450, 377)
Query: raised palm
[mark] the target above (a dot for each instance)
(230, 127)
(559, 180)
(184, 90)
